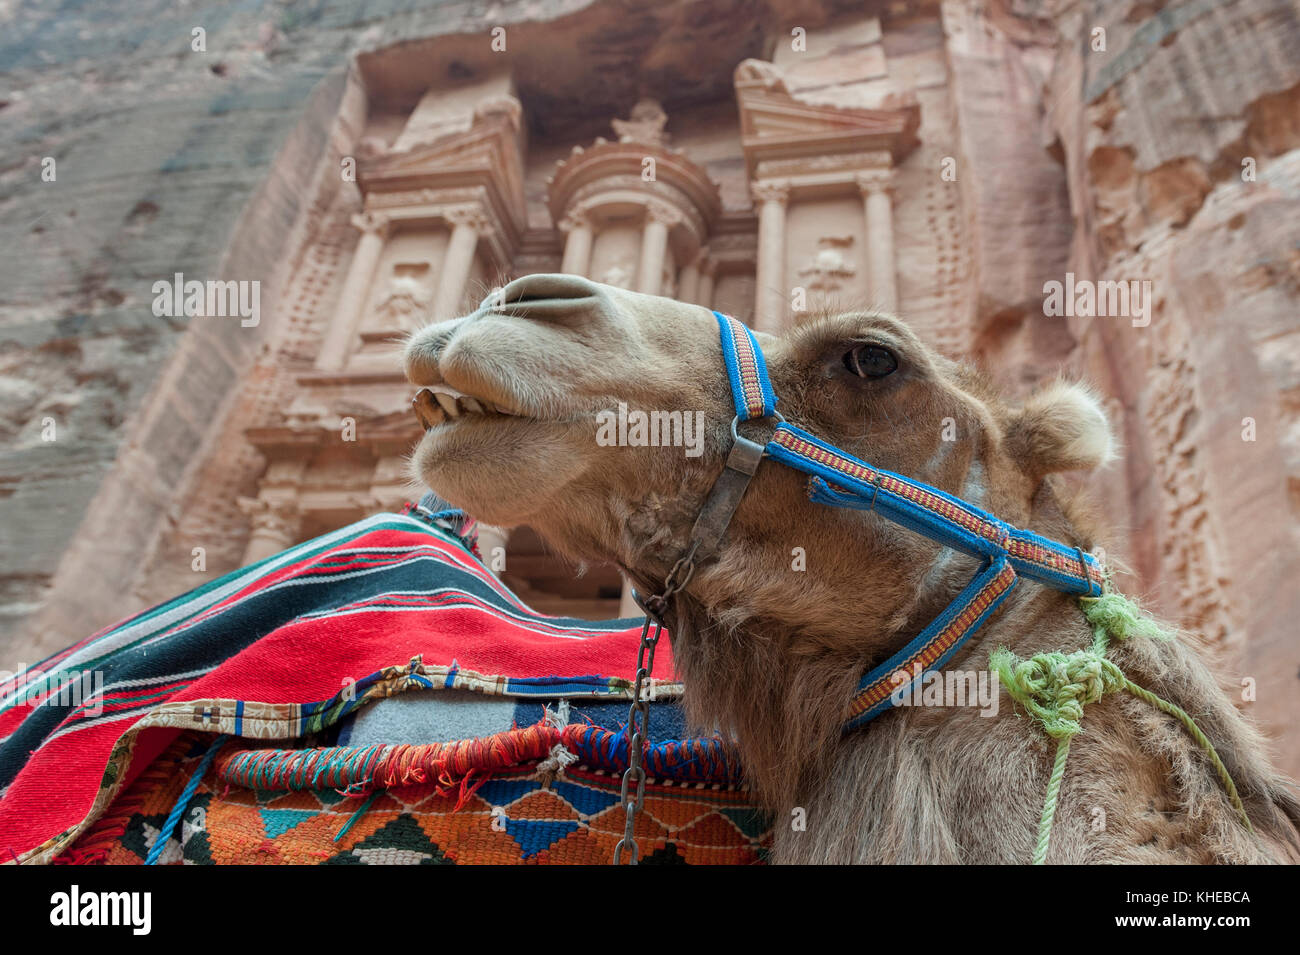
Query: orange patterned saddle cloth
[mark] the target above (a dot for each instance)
(514, 816)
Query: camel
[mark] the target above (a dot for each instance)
(772, 635)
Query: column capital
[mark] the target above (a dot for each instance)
(875, 180)
(280, 517)
(574, 219)
(663, 213)
(770, 190)
(372, 223)
(471, 216)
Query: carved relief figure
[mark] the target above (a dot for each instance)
(406, 301)
(645, 125)
(827, 270)
(618, 275)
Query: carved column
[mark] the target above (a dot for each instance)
(770, 308)
(654, 247)
(704, 291)
(344, 327)
(876, 187)
(688, 284)
(467, 225)
(274, 527)
(577, 244)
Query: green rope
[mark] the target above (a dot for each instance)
(1054, 687)
(1202, 740)
(1049, 804)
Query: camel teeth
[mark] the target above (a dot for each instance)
(427, 410)
(456, 403)
(448, 403)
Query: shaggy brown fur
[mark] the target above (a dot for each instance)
(770, 652)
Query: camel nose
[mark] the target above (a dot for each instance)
(555, 298)
(547, 286)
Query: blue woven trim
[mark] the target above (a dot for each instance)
(864, 495)
(925, 522)
(592, 685)
(991, 570)
(765, 383)
(732, 362)
(843, 480)
(1091, 587)
(820, 492)
(733, 367)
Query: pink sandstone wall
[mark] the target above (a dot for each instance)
(1122, 163)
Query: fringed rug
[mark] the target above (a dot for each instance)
(295, 660)
(510, 817)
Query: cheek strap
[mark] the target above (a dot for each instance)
(838, 479)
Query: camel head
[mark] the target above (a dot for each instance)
(537, 396)
(535, 379)
(533, 382)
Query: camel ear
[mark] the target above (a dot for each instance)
(1062, 427)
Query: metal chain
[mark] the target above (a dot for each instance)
(638, 714)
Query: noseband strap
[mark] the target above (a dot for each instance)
(839, 479)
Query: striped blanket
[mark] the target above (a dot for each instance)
(292, 669)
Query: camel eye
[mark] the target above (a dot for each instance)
(871, 361)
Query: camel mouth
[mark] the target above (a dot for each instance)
(436, 405)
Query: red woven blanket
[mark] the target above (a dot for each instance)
(292, 646)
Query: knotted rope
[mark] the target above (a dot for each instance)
(1054, 688)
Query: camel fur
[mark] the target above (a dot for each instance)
(771, 645)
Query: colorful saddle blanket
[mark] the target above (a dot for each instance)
(373, 695)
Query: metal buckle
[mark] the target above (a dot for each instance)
(720, 506)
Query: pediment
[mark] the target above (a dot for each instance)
(488, 155)
(768, 114)
(775, 124)
(490, 142)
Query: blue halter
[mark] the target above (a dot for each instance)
(841, 480)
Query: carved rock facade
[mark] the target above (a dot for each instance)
(942, 159)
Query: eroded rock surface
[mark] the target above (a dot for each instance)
(1164, 149)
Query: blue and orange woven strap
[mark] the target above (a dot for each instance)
(934, 645)
(841, 480)
(751, 390)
